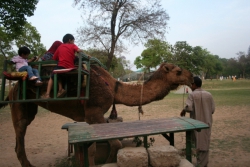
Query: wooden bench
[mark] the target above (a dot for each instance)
(83, 136)
(66, 126)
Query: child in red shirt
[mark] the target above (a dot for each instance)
(65, 55)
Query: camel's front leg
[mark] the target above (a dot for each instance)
(20, 128)
(22, 115)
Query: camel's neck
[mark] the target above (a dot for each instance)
(135, 95)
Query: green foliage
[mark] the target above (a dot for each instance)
(212, 66)
(119, 65)
(243, 63)
(122, 67)
(195, 59)
(102, 56)
(6, 50)
(188, 57)
(237, 66)
(156, 51)
(5, 44)
(198, 62)
(181, 54)
(31, 38)
(28, 37)
(230, 67)
(13, 13)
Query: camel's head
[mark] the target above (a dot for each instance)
(173, 75)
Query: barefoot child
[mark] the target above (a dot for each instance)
(21, 61)
(65, 55)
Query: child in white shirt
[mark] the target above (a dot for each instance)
(21, 61)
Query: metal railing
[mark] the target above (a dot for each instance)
(22, 86)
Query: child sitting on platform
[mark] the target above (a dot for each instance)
(21, 61)
(65, 55)
(49, 54)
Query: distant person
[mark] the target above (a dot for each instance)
(49, 54)
(200, 105)
(65, 55)
(21, 61)
(234, 78)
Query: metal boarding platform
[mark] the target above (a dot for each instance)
(78, 72)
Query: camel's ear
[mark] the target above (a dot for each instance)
(166, 69)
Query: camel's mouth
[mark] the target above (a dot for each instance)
(174, 86)
(189, 84)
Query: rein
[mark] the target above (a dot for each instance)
(183, 96)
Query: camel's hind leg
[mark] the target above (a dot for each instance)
(22, 115)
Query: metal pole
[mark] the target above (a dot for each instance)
(79, 75)
(3, 81)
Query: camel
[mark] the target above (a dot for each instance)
(104, 92)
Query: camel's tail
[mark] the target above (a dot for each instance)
(4, 104)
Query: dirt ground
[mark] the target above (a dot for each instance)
(46, 142)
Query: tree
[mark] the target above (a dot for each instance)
(212, 66)
(31, 38)
(182, 52)
(198, 56)
(188, 57)
(6, 48)
(156, 52)
(111, 22)
(244, 62)
(102, 56)
(118, 65)
(218, 66)
(6, 44)
(123, 67)
(13, 13)
(28, 37)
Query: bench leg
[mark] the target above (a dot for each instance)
(188, 146)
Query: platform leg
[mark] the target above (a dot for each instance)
(24, 89)
(55, 85)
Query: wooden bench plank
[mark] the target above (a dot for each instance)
(99, 132)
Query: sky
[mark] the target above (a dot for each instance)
(220, 26)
